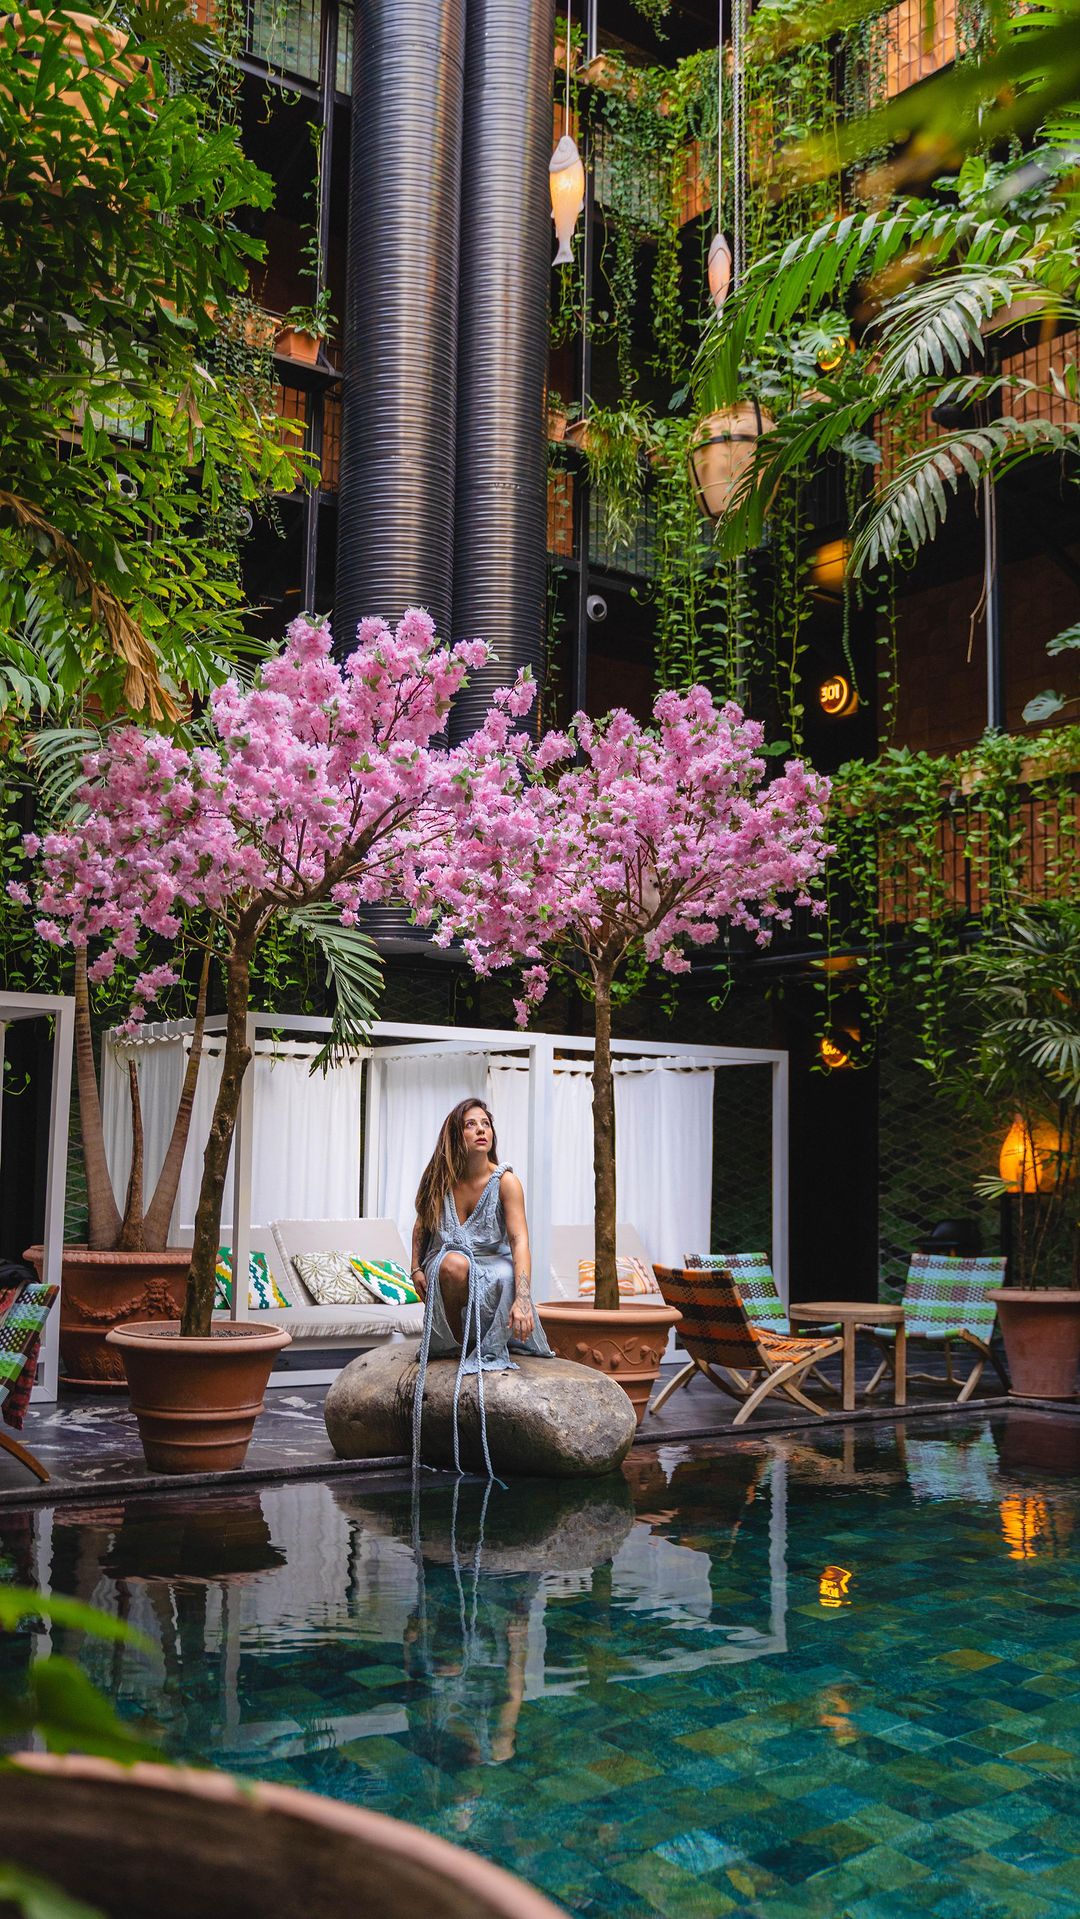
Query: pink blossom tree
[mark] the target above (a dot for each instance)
(317, 778)
(615, 845)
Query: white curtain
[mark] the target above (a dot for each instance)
(663, 1146)
(415, 1098)
(305, 1157)
(305, 1161)
(663, 1156)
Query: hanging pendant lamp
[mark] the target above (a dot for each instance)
(566, 176)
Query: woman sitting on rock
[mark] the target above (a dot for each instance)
(470, 1249)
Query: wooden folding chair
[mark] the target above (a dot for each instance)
(756, 1287)
(945, 1299)
(718, 1333)
(22, 1322)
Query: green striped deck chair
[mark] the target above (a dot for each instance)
(21, 1326)
(718, 1333)
(754, 1282)
(946, 1299)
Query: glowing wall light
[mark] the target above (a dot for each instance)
(828, 566)
(837, 697)
(1028, 1160)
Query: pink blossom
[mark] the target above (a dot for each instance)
(652, 838)
(321, 783)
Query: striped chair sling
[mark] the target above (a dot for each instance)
(945, 1299)
(717, 1332)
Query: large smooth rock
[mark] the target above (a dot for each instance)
(549, 1417)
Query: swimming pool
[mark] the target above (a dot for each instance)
(834, 1675)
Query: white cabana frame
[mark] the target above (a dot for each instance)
(394, 1040)
(58, 1007)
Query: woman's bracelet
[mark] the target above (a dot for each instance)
(415, 1270)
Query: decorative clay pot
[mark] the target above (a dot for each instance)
(157, 1842)
(1041, 1330)
(629, 1344)
(102, 1290)
(197, 1400)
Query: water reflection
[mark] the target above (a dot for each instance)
(336, 1626)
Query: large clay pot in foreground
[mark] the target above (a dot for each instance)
(150, 1842)
(102, 1290)
(1041, 1330)
(197, 1400)
(628, 1344)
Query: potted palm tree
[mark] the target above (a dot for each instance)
(299, 809)
(1025, 981)
(589, 856)
(127, 1270)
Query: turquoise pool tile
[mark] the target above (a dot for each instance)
(699, 1851)
(683, 1741)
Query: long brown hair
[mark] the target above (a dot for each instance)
(448, 1163)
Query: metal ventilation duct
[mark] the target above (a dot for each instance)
(506, 245)
(396, 499)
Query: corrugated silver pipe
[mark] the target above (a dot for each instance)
(396, 500)
(500, 549)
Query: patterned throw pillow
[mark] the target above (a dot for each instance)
(263, 1290)
(388, 1281)
(634, 1277)
(331, 1281)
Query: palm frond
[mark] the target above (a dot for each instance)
(914, 503)
(354, 968)
(933, 327)
(57, 754)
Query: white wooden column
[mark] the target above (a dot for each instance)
(541, 1159)
(52, 1259)
(780, 1175)
(241, 1164)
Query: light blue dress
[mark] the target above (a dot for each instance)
(487, 1344)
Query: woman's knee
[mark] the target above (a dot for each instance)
(455, 1268)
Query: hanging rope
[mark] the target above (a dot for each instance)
(566, 101)
(720, 117)
(453, 1242)
(738, 138)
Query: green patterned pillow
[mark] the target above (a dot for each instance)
(263, 1290)
(387, 1280)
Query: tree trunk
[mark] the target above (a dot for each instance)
(104, 1215)
(199, 1304)
(130, 1237)
(603, 1092)
(159, 1212)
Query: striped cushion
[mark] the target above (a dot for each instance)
(944, 1296)
(715, 1327)
(753, 1276)
(20, 1334)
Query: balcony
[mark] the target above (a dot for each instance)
(282, 38)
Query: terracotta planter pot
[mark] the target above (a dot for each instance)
(1041, 1330)
(197, 1400)
(102, 1290)
(151, 1842)
(293, 343)
(721, 450)
(628, 1344)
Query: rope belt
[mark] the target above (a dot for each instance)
(453, 1242)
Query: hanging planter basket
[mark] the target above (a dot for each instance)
(721, 453)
